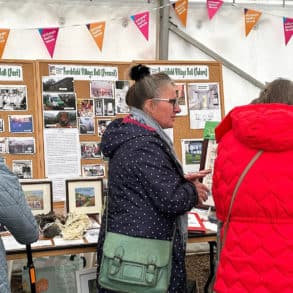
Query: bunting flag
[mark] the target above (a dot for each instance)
(3, 39)
(288, 28)
(49, 36)
(213, 7)
(142, 22)
(181, 8)
(97, 30)
(251, 17)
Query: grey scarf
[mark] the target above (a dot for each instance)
(144, 118)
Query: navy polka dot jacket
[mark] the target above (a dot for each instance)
(147, 190)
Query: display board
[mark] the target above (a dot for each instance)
(20, 130)
(201, 98)
(87, 92)
(35, 96)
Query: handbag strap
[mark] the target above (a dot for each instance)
(240, 179)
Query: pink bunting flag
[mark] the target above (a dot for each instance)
(213, 7)
(49, 36)
(142, 22)
(288, 29)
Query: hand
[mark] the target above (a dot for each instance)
(202, 191)
(197, 175)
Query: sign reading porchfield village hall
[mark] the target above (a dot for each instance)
(83, 72)
(182, 72)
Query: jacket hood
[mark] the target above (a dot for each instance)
(120, 131)
(260, 126)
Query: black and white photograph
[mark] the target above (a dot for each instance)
(1, 125)
(99, 107)
(21, 145)
(3, 145)
(90, 150)
(60, 119)
(23, 169)
(93, 170)
(13, 97)
(121, 88)
(109, 107)
(86, 125)
(102, 125)
(20, 123)
(57, 84)
(102, 89)
(59, 101)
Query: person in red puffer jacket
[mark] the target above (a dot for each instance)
(257, 254)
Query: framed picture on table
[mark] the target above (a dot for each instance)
(86, 280)
(84, 196)
(38, 195)
(209, 152)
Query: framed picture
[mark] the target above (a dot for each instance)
(86, 280)
(209, 152)
(84, 196)
(38, 195)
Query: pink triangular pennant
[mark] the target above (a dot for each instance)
(142, 22)
(49, 36)
(213, 7)
(288, 29)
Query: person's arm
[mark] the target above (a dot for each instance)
(15, 213)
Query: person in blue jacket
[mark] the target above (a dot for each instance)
(16, 216)
(148, 191)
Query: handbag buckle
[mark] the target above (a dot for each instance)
(151, 270)
(116, 261)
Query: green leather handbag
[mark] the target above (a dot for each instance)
(135, 264)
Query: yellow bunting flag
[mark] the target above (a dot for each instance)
(251, 18)
(181, 8)
(97, 30)
(3, 38)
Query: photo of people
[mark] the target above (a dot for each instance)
(181, 97)
(21, 145)
(84, 197)
(93, 170)
(3, 145)
(13, 97)
(22, 169)
(60, 119)
(102, 89)
(85, 108)
(20, 123)
(90, 150)
(86, 125)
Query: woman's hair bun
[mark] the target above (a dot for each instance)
(138, 72)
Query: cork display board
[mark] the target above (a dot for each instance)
(20, 130)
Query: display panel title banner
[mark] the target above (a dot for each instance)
(80, 72)
(11, 72)
(182, 72)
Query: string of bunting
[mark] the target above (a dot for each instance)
(141, 20)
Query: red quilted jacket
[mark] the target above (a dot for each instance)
(258, 252)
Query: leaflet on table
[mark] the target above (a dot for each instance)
(195, 224)
(61, 242)
(10, 243)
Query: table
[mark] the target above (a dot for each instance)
(208, 236)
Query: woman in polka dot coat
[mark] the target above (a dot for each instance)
(148, 192)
